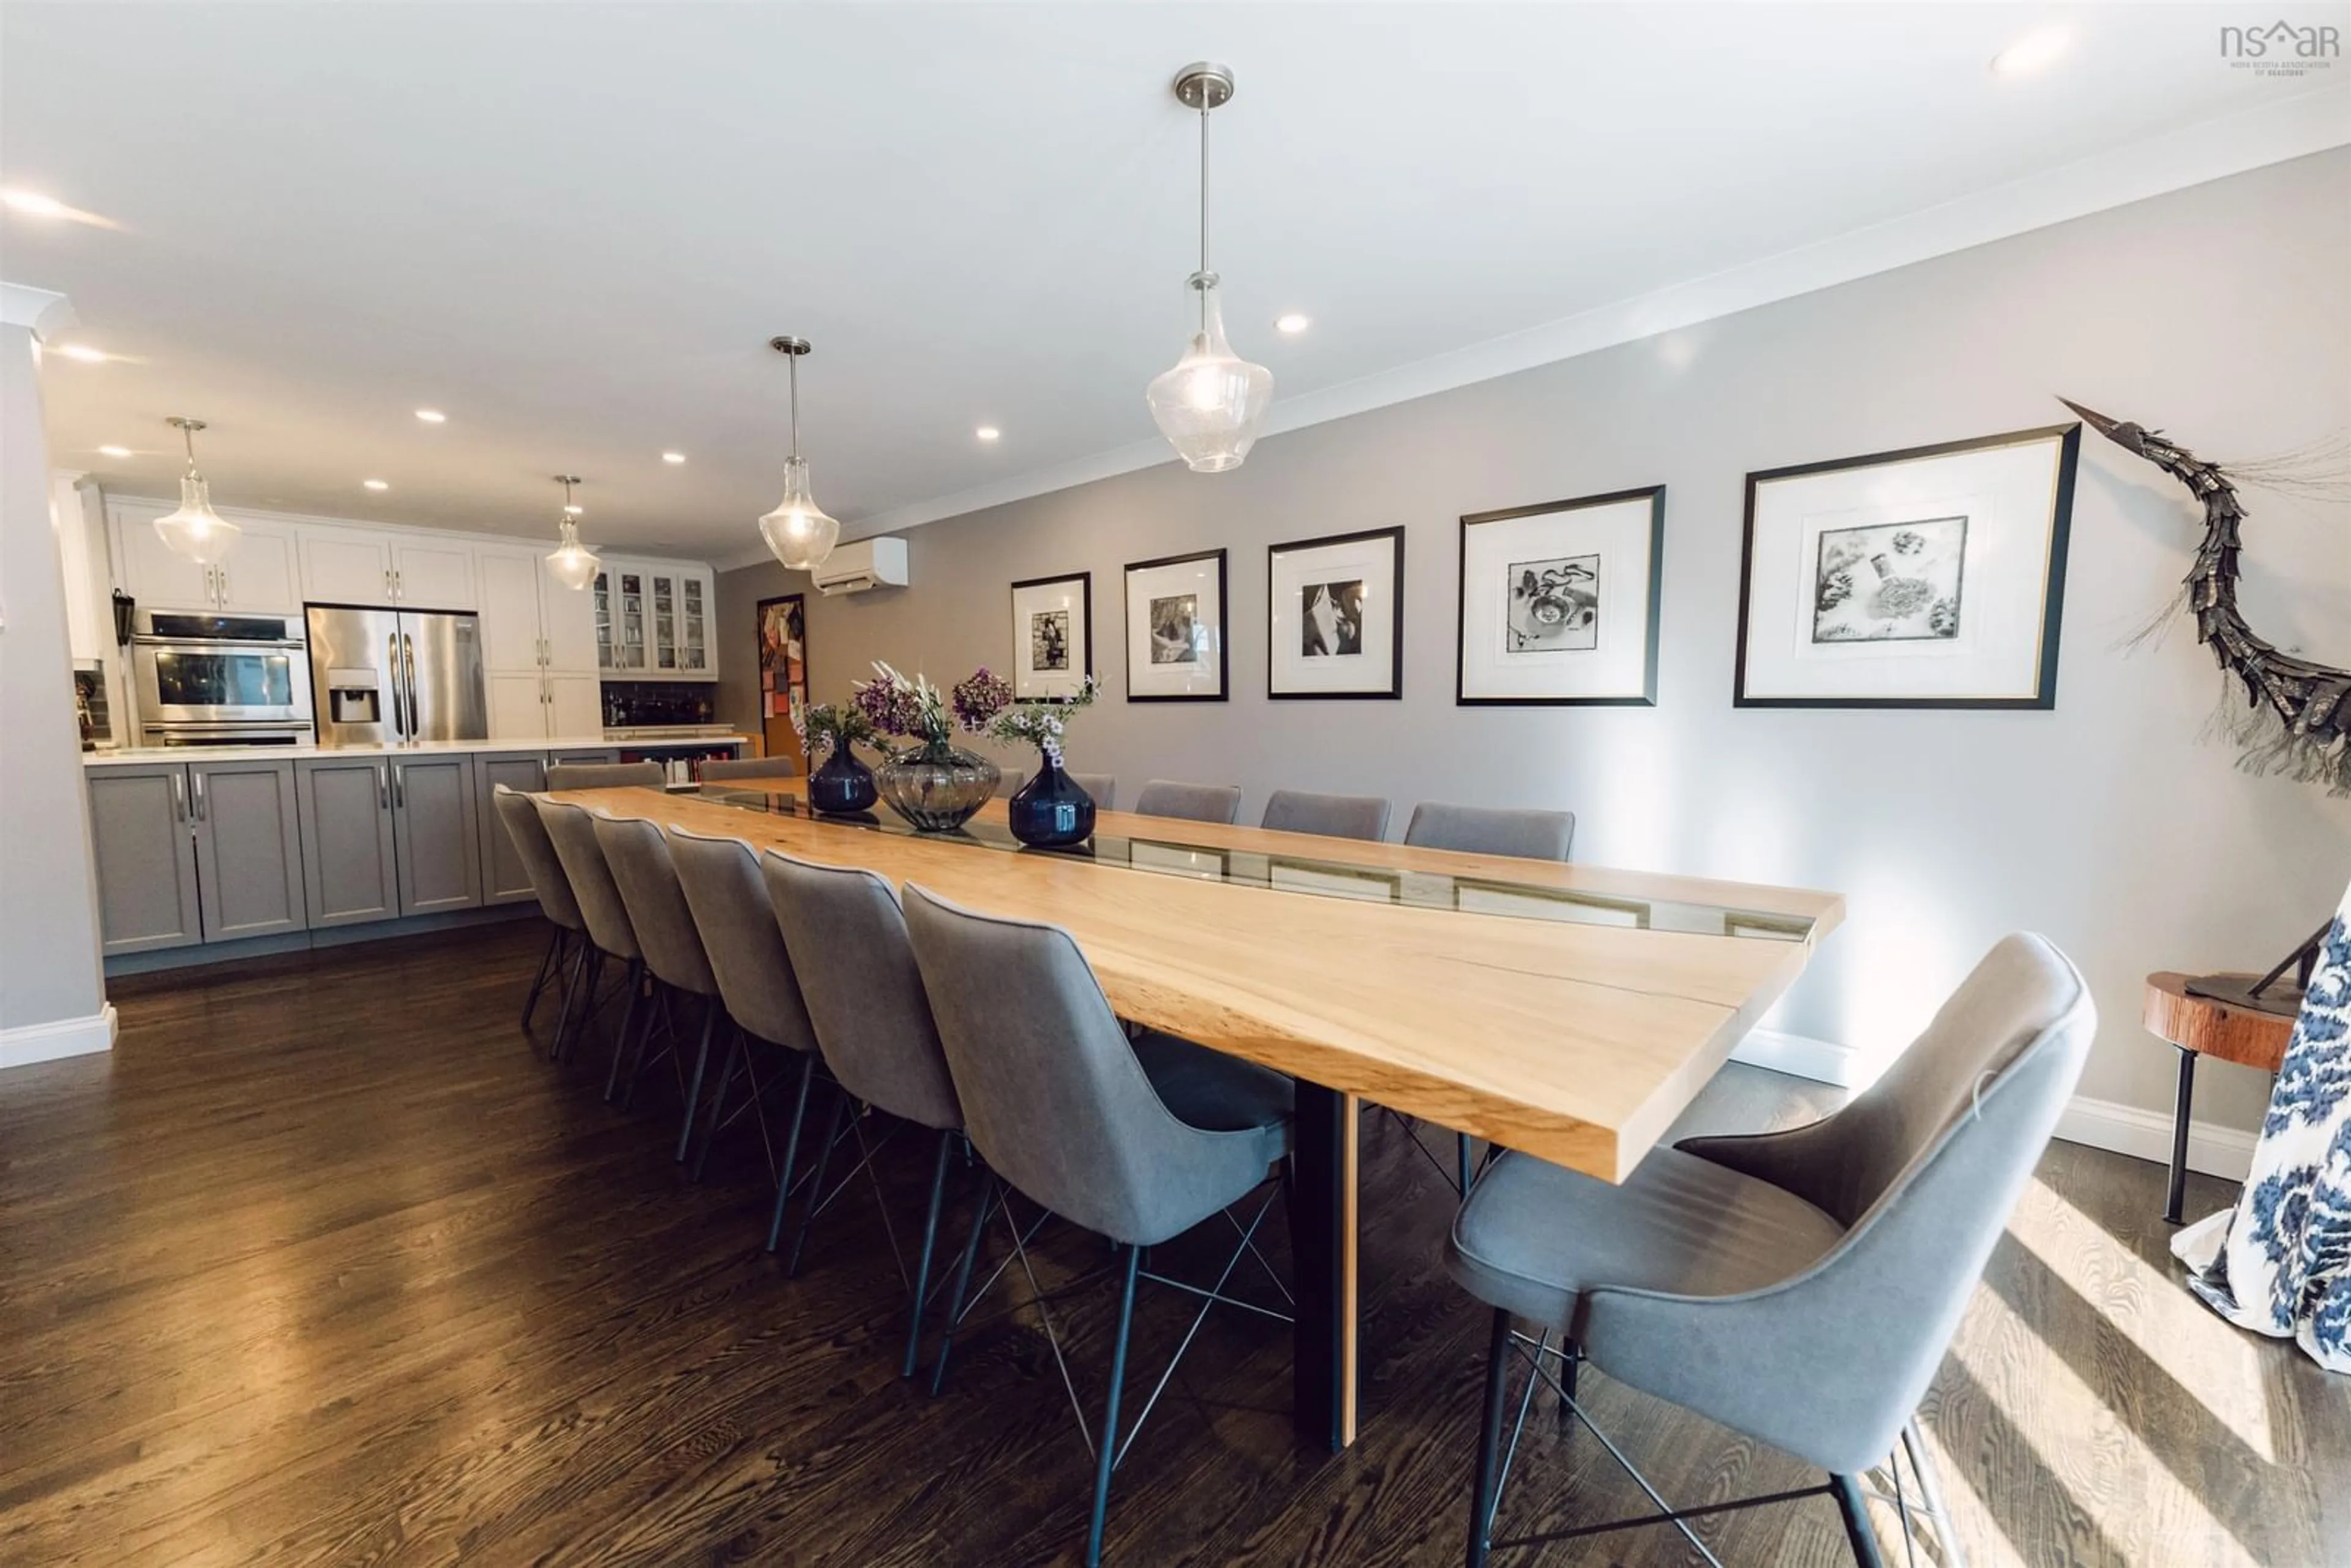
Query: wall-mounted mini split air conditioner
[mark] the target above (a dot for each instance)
(865, 563)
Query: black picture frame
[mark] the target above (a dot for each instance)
(1396, 672)
(1224, 641)
(2061, 525)
(1655, 496)
(1085, 581)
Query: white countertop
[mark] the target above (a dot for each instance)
(132, 756)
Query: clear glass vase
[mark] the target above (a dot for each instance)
(936, 786)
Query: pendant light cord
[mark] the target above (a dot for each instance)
(1204, 211)
(795, 360)
(188, 436)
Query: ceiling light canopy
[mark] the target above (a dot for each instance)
(2032, 52)
(1212, 406)
(798, 531)
(195, 531)
(573, 563)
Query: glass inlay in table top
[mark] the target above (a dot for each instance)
(1167, 853)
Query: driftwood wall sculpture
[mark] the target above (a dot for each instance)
(2299, 722)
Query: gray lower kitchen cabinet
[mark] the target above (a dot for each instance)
(350, 870)
(586, 754)
(504, 878)
(248, 844)
(438, 832)
(147, 888)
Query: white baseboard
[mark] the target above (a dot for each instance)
(1801, 1056)
(28, 1043)
(2226, 1151)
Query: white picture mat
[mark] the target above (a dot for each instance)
(2006, 493)
(1203, 675)
(1619, 532)
(1371, 561)
(1068, 595)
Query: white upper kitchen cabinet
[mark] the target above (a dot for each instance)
(346, 566)
(539, 649)
(432, 574)
(256, 577)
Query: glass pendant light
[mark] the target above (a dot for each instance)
(573, 563)
(1211, 406)
(195, 531)
(798, 531)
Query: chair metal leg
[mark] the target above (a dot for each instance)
(1463, 1174)
(711, 1013)
(1930, 1493)
(630, 1019)
(1107, 1448)
(816, 1188)
(660, 1007)
(575, 964)
(791, 1148)
(550, 963)
(983, 1204)
(948, 1137)
(591, 971)
(1487, 1492)
(1857, 1528)
(735, 1049)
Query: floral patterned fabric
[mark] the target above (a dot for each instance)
(2279, 1262)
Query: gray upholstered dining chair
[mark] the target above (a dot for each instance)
(603, 775)
(1490, 830)
(872, 1021)
(727, 770)
(1103, 788)
(567, 941)
(1138, 1141)
(610, 935)
(1800, 1287)
(1334, 816)
(1193, 803)
(658, 912)
(720, 879)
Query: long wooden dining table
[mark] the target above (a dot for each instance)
(1570, 1011)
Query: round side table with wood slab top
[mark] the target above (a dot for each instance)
(2205, 1026)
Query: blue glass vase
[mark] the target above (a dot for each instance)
(842, 786)
(1049, 811)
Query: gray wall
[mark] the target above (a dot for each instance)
(48, 891)
(2217, 312)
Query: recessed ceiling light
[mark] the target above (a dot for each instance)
(376, 483)
(431, 416)
(114, 452)
(34, 204)
(2032, 52)
(987, 433)
(1293, 323)
(673, 457)
(85, 353)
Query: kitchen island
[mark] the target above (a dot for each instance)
(205, 853)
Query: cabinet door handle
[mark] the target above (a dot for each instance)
(400, 785)
(197, 779)
(179, 798)
(383, 786)
(223, 586)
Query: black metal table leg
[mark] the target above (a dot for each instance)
(2179, 1118)
(1323, 1264)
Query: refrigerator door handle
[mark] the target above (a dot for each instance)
(408, 673)
(391, 675)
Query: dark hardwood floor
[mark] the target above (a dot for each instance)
(325, 1264)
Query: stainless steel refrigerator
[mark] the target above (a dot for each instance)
(385, 676)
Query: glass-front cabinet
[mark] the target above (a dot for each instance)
(652, 618)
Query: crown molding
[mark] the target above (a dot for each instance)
(45, 312)
(2276, 133)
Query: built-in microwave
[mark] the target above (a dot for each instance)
(208, 675)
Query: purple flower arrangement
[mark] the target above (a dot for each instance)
(911, 706)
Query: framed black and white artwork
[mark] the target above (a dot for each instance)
(1052, 636)
(1929, 578)
(1559, 602)
(1176, 628)
(1334, 617)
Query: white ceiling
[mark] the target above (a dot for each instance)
(574, 226)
